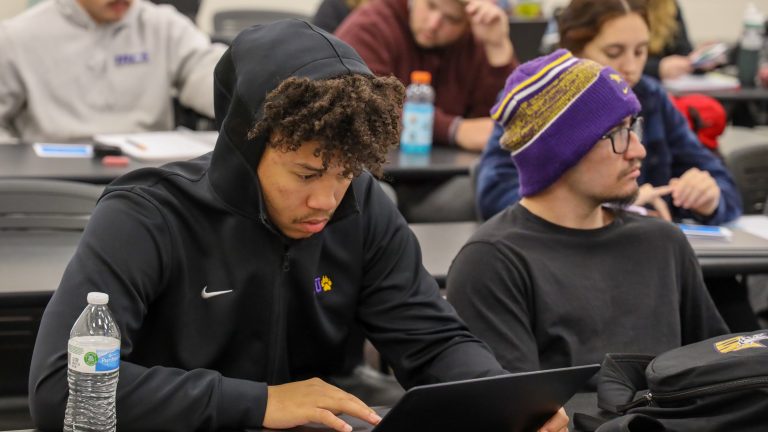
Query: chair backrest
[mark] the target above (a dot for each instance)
(749, 168)
(228, 23)
(31, 208)
(389, 191)
(209, 8)
(46, 204)
(187, 7)
(474, 172)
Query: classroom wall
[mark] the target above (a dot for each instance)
(9, 8)
(709, 20)
(706, 19)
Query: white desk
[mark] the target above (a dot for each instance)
(744, 253)
(33, 262)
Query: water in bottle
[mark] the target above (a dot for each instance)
(750, 46)
(93, 356)
(418, 114)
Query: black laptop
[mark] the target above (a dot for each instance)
(507, 403)
(526, 37)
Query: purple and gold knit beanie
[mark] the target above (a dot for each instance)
(554, 109)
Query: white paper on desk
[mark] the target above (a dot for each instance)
(753, 224)
(56, 150)
(709, 81)
(167, 145)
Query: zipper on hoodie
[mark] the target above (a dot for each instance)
(286, 259)
(278, 318)
(650, 398)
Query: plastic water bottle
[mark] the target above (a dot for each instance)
(93, 356)
(750, 46)
(418, 114)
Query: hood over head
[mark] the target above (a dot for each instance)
(258, 60)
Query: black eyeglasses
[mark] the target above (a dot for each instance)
(620, 136)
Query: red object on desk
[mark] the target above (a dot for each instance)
(705, 115)
(115, 161)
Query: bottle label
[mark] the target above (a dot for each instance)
(94, 354)
(417, 127)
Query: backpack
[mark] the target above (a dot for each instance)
(706, 117)
(720, 384)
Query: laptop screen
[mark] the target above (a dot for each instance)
(526, 37)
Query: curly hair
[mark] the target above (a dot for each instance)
(355, 118)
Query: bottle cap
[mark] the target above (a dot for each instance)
(753, 17)
(421, 77)
(98, 298)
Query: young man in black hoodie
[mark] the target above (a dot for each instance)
(236, 278)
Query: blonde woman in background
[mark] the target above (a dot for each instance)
(669, 45)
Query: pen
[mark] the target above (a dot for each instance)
(136, 144)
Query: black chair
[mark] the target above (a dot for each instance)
(187, 7)
(474, 172)
(46, 204)
(228, 23)
(749, 167)
(38, 220)
(389, 191)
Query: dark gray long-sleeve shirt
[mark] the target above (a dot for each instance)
(544, 296)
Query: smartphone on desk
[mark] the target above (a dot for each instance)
(709, 57)
(705, 231)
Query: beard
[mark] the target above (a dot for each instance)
(616, 200)
(622, 201)
(625, 200)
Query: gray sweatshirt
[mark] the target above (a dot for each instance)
(63, 77)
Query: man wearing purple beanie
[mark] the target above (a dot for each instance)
(554, 280)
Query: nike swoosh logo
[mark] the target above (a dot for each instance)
(208, 294)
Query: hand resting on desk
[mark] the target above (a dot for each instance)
(313, 400)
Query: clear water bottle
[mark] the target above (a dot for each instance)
(418, 114)
(750, 46)
(93, 356)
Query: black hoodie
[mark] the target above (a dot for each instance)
(160, 239)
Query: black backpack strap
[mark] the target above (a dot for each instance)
(587, 423)
(622, 376)
(627, 423)
(632, 423)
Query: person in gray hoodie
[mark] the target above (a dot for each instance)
(237, 278)
(71, 69)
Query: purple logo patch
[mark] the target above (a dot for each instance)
(323, 284)
(130, 58)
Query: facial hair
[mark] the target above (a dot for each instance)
(623, 202)
(313, 215)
